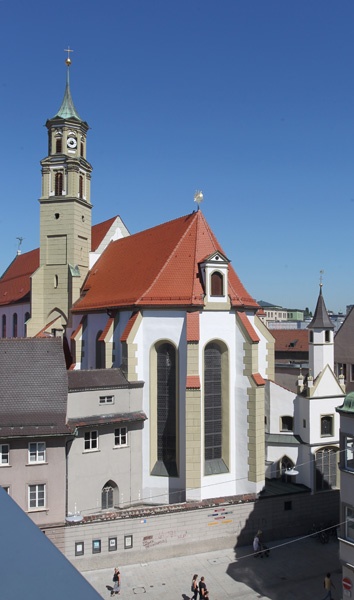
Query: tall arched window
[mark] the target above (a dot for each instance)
(164, 375)
(100, 352)
(326, 468)
(58, 184)
(3, 326)
(217, 284)
(58, 146)
(81, 186)
(14, 325)
(109, 495)
(166, 406)
(215, 407)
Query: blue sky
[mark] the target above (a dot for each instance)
(251, 101)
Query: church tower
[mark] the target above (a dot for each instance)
(65, 220)
(321, 339)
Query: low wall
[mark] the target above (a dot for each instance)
(162, 532)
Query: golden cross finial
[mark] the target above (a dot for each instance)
(68, 60)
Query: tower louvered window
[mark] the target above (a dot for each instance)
(212, 402)
(58, 184)
(166, 407)
(81, 186)
(3, 326)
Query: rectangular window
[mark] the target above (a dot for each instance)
(36, 496)
(36, 452)
(351, 372)
(112, 544)
(349, 452)
(79, 548)
(286, 423)
(326, 425)
(96, 546)
(106, 399)
(349, 523)
(91, 440)
(4, 454)
(304, 423)
(120, 436)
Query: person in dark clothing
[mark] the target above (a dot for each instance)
(203, 592)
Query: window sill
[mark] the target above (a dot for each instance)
(346, 541)
(35, 464)
(121, 446)
(5, 466)
(91, 451)
(33, 510)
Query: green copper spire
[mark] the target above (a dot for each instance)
(67, 109)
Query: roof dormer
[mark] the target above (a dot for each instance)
(214, 271)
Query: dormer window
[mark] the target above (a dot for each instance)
(214, 270)
(217, 284)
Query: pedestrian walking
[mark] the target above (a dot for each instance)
(203, 592)
(116, 582)
(194, 587)
(328, 585)
(257, 544)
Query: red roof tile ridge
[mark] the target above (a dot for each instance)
(173, 251)
(234, 295)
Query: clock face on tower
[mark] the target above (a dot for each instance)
(71, 142)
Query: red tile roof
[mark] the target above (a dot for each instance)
(291, 340)
(193, 334)
(158, 266)
(258, 379)
(15, 283)
(248, 327)
(193, 382)
(129, 326)
(99, 231)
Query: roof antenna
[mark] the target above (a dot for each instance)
(198, 197)
(20, 240)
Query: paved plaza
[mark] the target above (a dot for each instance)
(294, 570)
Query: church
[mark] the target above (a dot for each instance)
(171, 383)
